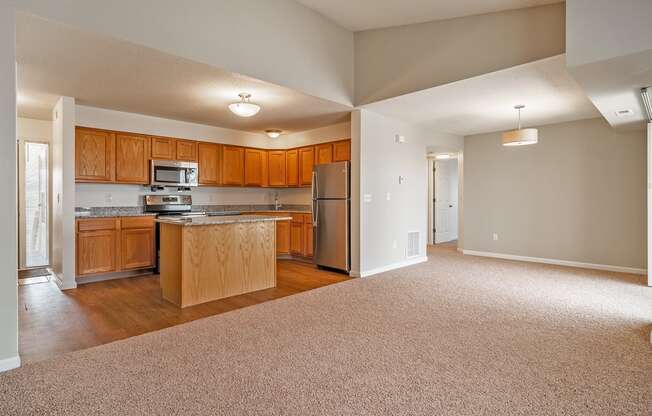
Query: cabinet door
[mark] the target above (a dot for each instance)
(232, 165)
(323, 153)
(296, 238)
(94, 155)
(254, 167)
(277, 167)
(282, 237)
(96, 252)
(342, 151)
(186, 150)
(307, 239)
(208, 157)
(137, 248)
(131, 159)
(163, 148)
(292, 167)
(306, 162)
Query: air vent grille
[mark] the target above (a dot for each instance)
(413, 244)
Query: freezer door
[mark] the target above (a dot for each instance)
(331, 181)
(331, 229)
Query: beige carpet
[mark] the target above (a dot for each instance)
(454, 336)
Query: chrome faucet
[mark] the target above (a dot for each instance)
(277, 205)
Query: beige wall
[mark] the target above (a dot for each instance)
(578, 195)
(404, 59)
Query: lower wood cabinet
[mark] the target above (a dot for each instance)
(308, 238)
(106, 245)
(296, 238)
(282, 237)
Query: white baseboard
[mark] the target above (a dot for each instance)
(9, 363)
(568, 263)
(393, 266)
(63, 285)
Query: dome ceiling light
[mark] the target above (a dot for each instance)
(244, 108)
(520, 137)
(273, 133)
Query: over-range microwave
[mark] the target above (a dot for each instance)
(173, 173)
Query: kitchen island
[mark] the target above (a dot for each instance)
(209, 258)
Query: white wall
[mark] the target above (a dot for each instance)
(278, 41)
(8, 255)
(578, 195)
(63, 193)
(319, 135)
(31, 129)
(384, 222)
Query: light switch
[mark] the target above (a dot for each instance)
(367, 198)
(389, 196)
(401, 179)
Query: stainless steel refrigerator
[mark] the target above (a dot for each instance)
(331, 213)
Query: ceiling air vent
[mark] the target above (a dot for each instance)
(413, 244)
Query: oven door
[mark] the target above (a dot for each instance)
(170, 173)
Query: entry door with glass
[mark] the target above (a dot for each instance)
(34, 208)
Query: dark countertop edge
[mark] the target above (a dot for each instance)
(222, 220)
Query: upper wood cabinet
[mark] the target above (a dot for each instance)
(94, 155)
(164, 148)
(254, 167)
(323, 153)
(277, 168)
(186, 150)
(306, 162)
(292, 167)
(233, 165)
(342, 151)
(131, 158)
(209, 159)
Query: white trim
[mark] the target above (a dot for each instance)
(568, 263)
(61, 284)
(9, 363)
(394, 266)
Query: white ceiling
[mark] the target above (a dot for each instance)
(55, 60)
(359, 15)
(485, 103)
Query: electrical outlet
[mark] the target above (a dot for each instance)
(108, 197)
(495, 236)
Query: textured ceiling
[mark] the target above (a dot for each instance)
(55, 60)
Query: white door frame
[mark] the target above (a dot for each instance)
(460, 197)
(21, 198)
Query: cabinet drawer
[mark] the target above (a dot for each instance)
(96, 224)
(297, 218)
(136, 222)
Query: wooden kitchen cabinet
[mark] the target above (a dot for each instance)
(137, 248)
(323, 153)
(163, 148)
(342, 151)
(233, 165)
(296, 238)
(254, 167)
(283, 237)
(132, 158)
(209, 160)
(308, 238)
(186, 150)
(277, 167)
(94, 155)
(292, 167)
(306, 162)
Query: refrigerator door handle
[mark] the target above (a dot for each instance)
(315, 209)
(314, 185)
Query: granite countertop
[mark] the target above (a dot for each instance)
(104, 212)
(226, 219)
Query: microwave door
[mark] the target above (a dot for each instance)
(171, 175)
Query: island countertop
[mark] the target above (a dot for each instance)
(220, 219)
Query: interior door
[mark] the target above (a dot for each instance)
(446, 183)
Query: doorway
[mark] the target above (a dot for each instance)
(445, 199)
(34, 207)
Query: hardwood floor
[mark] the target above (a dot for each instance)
(54, 322)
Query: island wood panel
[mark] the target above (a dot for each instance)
(342, 151)
(292, 167)
(254, 166)
(171, 243)
(217, 261)
(277, 168)
(163, 148)
(306, 162)
(232, 165)
(94, 155)
(323, 153)
(186, 150)
(132, 158)
(209, 160)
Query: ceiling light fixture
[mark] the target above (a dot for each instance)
(244, 108)
(647, 102)
(443, 157)
(520, 137)
(273, 133)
